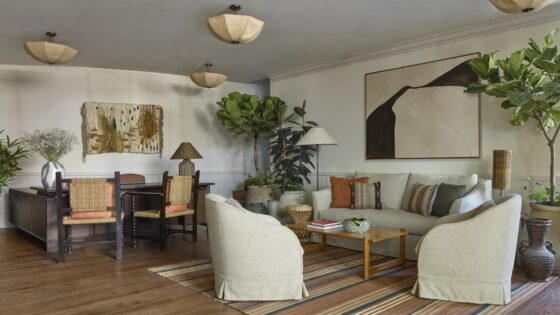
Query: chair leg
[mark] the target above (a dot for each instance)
(194, 230)
(68, 239)
(119, 238)
(133, 230)
(163, 235)
(60, 243)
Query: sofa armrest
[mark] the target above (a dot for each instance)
(478, 195)
(321, 201)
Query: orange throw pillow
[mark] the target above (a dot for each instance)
(342, 191)
(178, 207)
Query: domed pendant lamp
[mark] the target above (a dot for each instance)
(50, 52)
(208, 79)
(234, 28)
(520, 6)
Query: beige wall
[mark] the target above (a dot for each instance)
(39, 97)
(335, 99)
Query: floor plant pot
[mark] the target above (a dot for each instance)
(289, 198)
(257, 198)
(538, 257)
(548, 212)
(48, 173)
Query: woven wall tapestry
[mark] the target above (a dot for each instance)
(121, 128)
(422, 111)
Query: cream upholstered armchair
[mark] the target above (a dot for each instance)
(255, 258)
(469, 257)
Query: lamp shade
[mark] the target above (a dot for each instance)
(316, 136)
(501, 169)
(50, 52)
(234, 28)
(207, 79)
(186, 151)
(520, 6)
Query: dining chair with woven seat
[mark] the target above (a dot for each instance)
(91, 201)
(178, 199)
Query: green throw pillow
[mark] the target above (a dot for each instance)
(446, 194)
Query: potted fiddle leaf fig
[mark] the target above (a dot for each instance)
(528, 83)
(253, 118)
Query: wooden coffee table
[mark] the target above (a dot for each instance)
(374, 235)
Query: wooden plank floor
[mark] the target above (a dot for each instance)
(92, 282)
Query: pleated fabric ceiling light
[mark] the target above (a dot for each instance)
(208, 79)
(520, 6)
(50, 52)
(234, 28)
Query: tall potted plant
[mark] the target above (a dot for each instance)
(51, 144)
(528, 81)
(253, 118)
(291, 163)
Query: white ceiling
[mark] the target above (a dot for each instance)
(171, 36)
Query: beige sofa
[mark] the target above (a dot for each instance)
(470, 258)
(396, 191)
(255, 258)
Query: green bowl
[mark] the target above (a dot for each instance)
(355, 225)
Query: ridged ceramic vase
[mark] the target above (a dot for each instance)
(538, 257)
(48, 173)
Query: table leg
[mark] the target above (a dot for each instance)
(403, 248)
(366, 258)
(324, 242)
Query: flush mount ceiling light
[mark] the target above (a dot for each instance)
(520, 6)
(234, 28)
(207, 79)
(50, 52)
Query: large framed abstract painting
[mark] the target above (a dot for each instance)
(121, 128)
(422, 111)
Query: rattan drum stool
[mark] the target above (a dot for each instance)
(301, 214)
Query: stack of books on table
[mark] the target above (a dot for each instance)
(325, 225)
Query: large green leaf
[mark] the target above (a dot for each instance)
(518, 98)
(549, 38)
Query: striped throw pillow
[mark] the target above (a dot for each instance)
(366, 196)
(422, 200)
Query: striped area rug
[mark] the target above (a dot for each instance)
(335, 286)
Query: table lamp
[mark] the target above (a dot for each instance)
(501, 170)
(186, 152)
(316, 136)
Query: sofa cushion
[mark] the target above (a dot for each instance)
(468, 180)
(387, 218)
(422, 199)
(446, 195)
(366, 196)
(392, 187)
(342, 191)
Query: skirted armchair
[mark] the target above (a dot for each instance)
(255, 258)
(469, 257)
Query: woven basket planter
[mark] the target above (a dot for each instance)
(301, 214)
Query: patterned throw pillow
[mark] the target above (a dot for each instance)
(422, 199)
(367, 196)
(342, 191)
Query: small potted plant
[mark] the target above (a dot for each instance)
(355, 225)
(258, 193)
(51, 144)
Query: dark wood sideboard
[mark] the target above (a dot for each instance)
(33, 212)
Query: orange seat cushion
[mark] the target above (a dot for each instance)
(177, 207)
(342, 191)
(91, 214)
